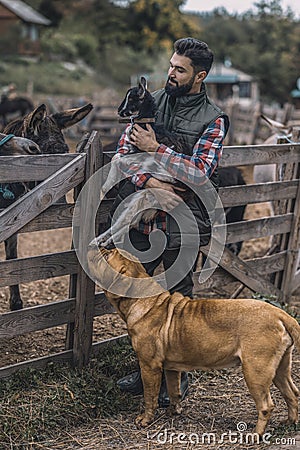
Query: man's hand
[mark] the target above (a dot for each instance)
(144, 140)
(167, 200)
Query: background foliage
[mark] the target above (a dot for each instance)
(119, 38)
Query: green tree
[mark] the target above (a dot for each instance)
(263, 42)
(274, 37)
(49, 10)
(155, 24)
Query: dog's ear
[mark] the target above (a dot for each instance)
(142, 87)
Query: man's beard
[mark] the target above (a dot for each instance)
(179, 91)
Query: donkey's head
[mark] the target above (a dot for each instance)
(46, 130)
(138, 102)
(15, 146)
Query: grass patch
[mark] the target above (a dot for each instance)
(51, 78)
(37, 405)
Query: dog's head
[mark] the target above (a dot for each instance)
(120, 260)
(119, 273)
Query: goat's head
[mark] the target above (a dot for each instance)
(46, 130)
(138, 102)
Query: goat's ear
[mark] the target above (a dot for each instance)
(142, 87)
(144, 82)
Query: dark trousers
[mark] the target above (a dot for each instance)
(184, 271)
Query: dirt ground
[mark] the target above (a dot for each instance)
(219, 402)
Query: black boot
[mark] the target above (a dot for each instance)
(132, 383)
(163, 398)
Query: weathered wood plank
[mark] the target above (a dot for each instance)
(42, 317)
(85, 287)
(252, 229)
(41, 197)
(37, 363)
(258, 193)
(63, 357)
(247, 155)
(296, 281)
(242, 271)
(293, 245)
(31, 168)
(56, 216)
(220, 278)
(24, 270)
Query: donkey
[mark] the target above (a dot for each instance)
(139, 107)
(20, 105)
(46, 131)
(11, 145)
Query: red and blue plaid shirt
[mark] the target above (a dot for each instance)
(195, 169)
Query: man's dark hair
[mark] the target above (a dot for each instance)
(199, 53)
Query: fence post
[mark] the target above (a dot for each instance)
(85, 287)
(292, 258)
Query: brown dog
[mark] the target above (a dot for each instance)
(174, 333)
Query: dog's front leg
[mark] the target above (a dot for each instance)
(151, 382)
(173, 385)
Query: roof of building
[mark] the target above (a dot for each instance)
(25, 12)
(295, 93)
(220, 73)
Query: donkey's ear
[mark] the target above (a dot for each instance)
(142, 87)
(33, 119)
(69, 117)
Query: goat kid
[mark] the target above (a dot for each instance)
(139, 107)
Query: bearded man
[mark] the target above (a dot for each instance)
(184, 108)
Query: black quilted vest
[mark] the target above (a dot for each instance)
(189, 116)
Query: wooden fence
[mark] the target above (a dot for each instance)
(276, 273)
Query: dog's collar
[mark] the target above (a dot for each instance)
(136, 120)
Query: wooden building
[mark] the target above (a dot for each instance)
(224, 82)
(20, 27)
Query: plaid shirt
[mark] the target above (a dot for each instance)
(195, 169)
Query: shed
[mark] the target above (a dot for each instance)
(19, 27)
(295, 95)
(223, 82)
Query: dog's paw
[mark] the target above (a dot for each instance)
(174, 410)
(143, 420)
(289, 421)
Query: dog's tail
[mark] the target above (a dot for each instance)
(292, 327)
